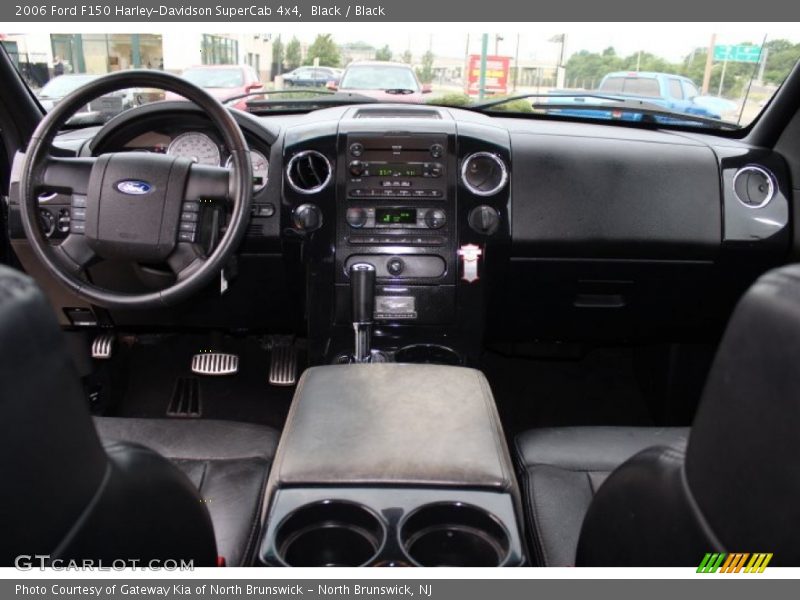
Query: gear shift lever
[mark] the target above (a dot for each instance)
(362, 288)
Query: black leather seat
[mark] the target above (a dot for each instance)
(70, 493)
(648, 497)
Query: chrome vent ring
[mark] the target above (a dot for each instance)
(308, 172)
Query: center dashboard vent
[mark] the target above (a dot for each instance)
(397, 113)
(308, 172)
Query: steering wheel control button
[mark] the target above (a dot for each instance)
(263, 210)
(186, 236)
(182, 226)
(191, 207)
(395, 266)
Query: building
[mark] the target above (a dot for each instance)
(100, 53)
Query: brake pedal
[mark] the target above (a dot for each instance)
(185, 401)
(283, 362)
(103, 346)
(215, 363)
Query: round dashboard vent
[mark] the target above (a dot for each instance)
(753, 186)
(484, 173)
(308, 172)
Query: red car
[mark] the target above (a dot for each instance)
(222, 82)
(385, 81)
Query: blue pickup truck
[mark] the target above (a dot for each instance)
(674, 93)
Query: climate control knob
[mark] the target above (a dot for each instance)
(356, 217)
(435, 218)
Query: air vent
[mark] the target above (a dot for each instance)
(308, 172)
(484, 173)
(397, 113)
(754, 186)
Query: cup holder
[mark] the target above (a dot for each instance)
(427, 354)
(331, 533)
(454, 535)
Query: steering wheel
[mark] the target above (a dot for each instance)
(135, 203)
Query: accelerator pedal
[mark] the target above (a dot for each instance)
(215, 363)
(103, 346)
(282, 361)
(185, 401)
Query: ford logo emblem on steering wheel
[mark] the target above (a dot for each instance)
(134, 187)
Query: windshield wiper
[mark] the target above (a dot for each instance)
(651, 112)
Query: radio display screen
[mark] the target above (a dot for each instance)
(398, 170)
(398, 216)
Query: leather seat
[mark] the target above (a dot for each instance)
(650, 497)
(77, 495)
(227, 462)
(561, 469)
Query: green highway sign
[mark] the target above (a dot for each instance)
(740, 53)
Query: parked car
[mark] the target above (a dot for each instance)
(384, 81)
(101, 109)
(673, 92)
(222, 82)
(312, 77)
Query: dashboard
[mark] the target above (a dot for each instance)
(476, 225)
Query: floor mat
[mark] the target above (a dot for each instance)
(155, 364)
(598, 389)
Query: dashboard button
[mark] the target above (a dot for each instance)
(395, 266)
(192, 216)
(187, 226)
(186, 236)
(191, 207)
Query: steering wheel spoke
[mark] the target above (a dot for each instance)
(75, 253)
(207, 183)
(66, 175)
(185, 260)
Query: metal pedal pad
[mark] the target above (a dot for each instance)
(283, 362)
(103, 346)
(185, 401)
(215, 363)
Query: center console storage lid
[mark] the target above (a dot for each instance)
(393, 424)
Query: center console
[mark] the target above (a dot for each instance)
(396, 465)
(403, 212)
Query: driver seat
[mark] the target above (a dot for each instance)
(145, 489)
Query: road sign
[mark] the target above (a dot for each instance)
(740, 53)
(497, 70)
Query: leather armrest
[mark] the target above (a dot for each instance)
(393, 424)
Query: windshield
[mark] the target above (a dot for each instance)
(711, 75)
(378, 77)
(214, 78)
(63, 85)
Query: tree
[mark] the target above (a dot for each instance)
(781, 57)
(277, 55)
(407, 58)
(384, 53)
(425, 72)
(325, 49)
(294, 56)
